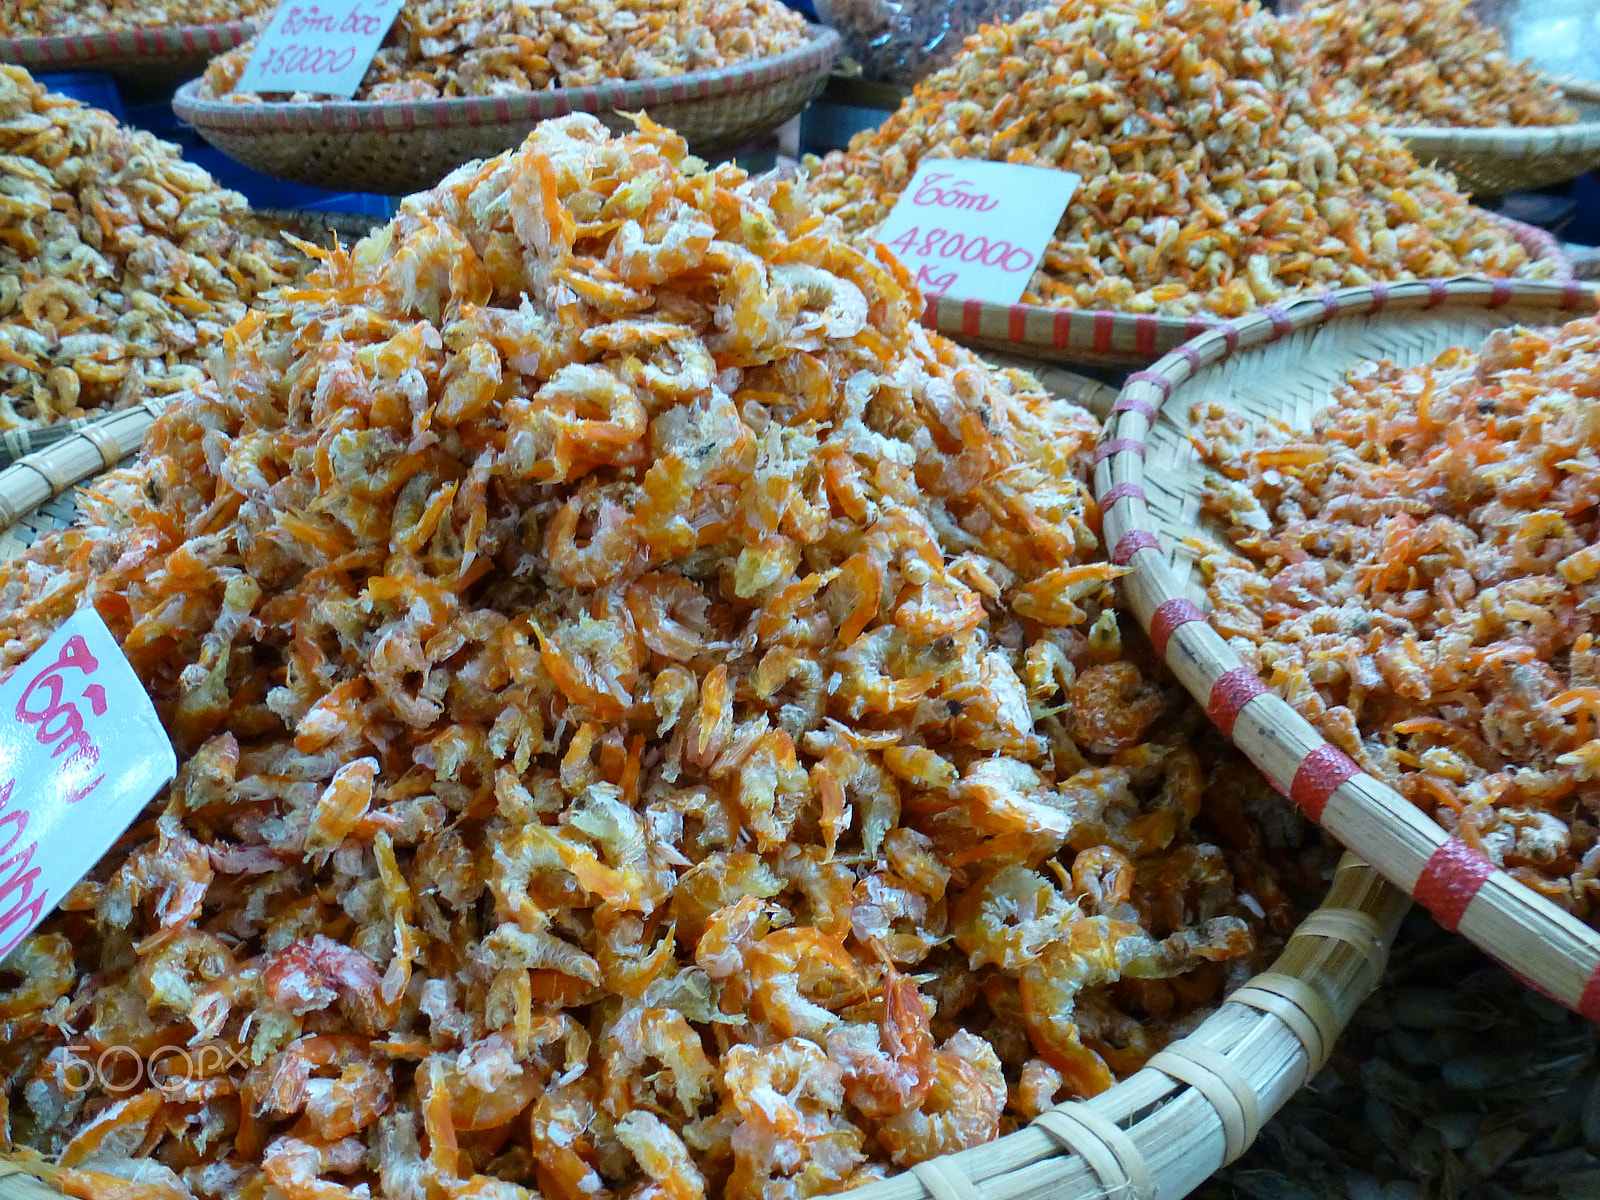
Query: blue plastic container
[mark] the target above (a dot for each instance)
(95, 88)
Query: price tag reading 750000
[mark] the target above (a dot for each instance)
(325, 47)
(976, 230)
(81, 753)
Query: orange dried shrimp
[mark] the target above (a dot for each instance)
(1219, 173)
(51, 18)
(1423, 62)
(497, 47)
(617, 760)
(120, 264)
(1420, 581)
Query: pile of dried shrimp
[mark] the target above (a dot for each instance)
(120, 264)
(497, 47)
(1219, 173)
(51, 18)
(651, 725)
(1421, 581)
(1423, 62)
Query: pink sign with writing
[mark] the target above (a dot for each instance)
(324, 46)
(81, 753)
(976, 230)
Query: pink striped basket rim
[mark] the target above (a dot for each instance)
(1559, 954)
(398, 115)
(115, 45)
(1139, 335)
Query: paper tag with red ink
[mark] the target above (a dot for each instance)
(81, 753)
(323, 47)
(976, 230)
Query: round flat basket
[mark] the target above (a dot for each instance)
(1494, 161)
(1155, 1136)
(1282, 366)
(1099, 337)
(406, 146)
(160, 53)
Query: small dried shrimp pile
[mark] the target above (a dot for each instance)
(1217, 173)
(120, 264)
(650, 726)
(1423, 62)
(48, 18)
(496, 47)
(1423, 584)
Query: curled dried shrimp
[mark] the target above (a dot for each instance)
(53, 18)
(621, 790)
(1219, 172)
(121, 265)
(1416, 63)
(440, 48)
(1419, 578)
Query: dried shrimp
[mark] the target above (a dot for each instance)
(1425, 63)
(1419, 579)
(613, 760)
(1219, 173)
(121, 265)
(440, 48)
(52, 18)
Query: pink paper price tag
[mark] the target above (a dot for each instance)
(81, 753)
(323, 47)
(976, 230)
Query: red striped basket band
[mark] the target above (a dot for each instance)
(1134, 404)
(1281, 324)
(1131, 543)
(1229, 694)
(1121, 491)
(1589, 1003)
(1117, 446)
(1156, 380)
(1170, 615)
(1319, 775)
(1450, 878)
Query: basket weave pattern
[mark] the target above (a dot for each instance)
(398, 147)
(1198, 1105)
(159, 52)
(1283, 363)
(1102, 337)
(1494, 161)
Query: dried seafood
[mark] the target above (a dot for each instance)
(1218, 173)
(497, 47)
(1425, 62)
(1454, 1082)
(1421, 579)
(651, 725)
(120, 264)
(51, 18)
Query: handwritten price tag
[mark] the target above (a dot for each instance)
(976, 229)
(325, 47)
(81, 753)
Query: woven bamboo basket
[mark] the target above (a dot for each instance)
(1100, 337)
(406, 146)
(1282, 364)
(1155, 1136)
(162, 53)
(1494, 161)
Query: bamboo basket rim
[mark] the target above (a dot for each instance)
(1544, 946)
(1155, 1135)
(103, 46)
(1512, 141)
(1109, 336)
(387, 116)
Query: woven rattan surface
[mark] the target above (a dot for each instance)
(1094, 337)
(1283, 365)
(1155, 1136)
(1494, 161)
(162, 53)
(408, 146)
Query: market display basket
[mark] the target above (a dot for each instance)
(160, 53)
(1155, 1136)
(1281, 364)
(398, 147)
(1100, 337)
(1494, 161)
